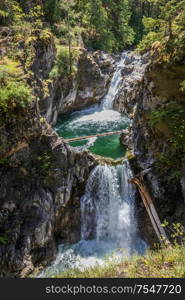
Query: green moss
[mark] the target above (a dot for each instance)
(3, 240)
(44, 163)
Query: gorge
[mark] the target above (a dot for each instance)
(108, 217)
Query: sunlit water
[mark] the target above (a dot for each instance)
(98, 119)
(90, 122)
(102, 118)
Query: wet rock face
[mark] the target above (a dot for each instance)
(132, 77)
(125, 139)
(40, 190)
(93, 76)
(87, 87)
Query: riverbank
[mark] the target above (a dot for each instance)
(154, 264)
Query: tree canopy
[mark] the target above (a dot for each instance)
(109, 25)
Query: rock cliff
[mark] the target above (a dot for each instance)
(86, 87)
(148, 102)
(42, 180)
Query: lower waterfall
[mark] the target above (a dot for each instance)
(108, 222)
(108, 204)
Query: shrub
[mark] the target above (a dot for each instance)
(62, 65)
(14, 90)
(182, 86)
(14, 95)
(173, 116)
(147, 41)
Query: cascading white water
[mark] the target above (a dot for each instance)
(108, 100)
(109, 205)
(108, 221)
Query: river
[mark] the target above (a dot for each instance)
(108, 209)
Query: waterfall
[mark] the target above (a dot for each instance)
(108, 100)
(108, 222)
(108, 207)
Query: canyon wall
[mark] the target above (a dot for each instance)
(151, 144)
(87, 86)
(42, 180)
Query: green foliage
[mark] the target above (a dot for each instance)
(177, 232)
(98, 27)
(182, 86)
(14, 91)
(62, 64)
(103, 24)
(3, 15)
(120, 15)
(168, 26)
(169, 166)
(3, 240)
(63, 60)
(45, 36)
(4, 161)
(173, 116)
(14, 95)
(147, 41)
(106, 24)
(52, 10)
(4, 12)
(11, 13)
(44, 162)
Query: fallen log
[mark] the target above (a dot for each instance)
(148, 203)
(95, 135)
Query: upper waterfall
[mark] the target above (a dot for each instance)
(107, 102)
(102, 118)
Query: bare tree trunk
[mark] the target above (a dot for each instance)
(143, 190)
(170, 28)
(69, 45)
